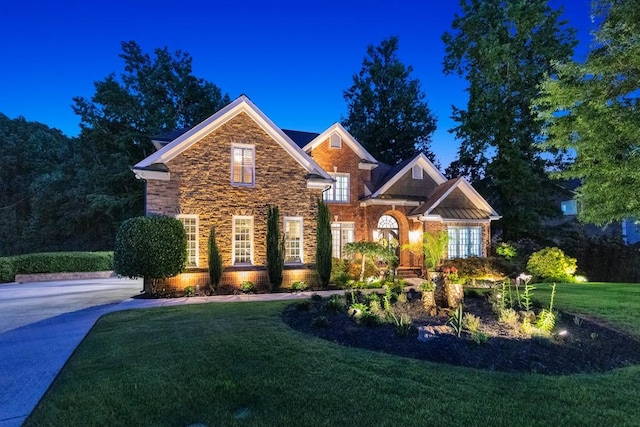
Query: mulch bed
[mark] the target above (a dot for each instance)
(588, 345)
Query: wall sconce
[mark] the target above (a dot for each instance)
(414, 236)
(376, 235)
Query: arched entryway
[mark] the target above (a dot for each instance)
(388, 233)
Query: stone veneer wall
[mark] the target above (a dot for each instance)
(201, 184)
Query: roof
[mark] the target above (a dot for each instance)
(346, 138)
(461, 213)
(299, 137)
(169, 136)
(384, 172)
(241, 105)
(383, 183)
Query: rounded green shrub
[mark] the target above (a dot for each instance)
(551, 264)
(154, 248)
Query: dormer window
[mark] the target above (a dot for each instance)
(416, 172)
(335, 141)
(243, 165)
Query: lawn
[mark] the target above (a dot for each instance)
(238, 364)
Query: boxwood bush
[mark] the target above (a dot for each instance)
(54, 262)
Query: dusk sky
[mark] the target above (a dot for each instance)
(293, 59)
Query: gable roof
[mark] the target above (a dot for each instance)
(432, 206)
(346, 138)
(299, 137)
(394, 173)
(241, 105)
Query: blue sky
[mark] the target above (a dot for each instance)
(293, 59)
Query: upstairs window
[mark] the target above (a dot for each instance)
(292, 240)
(416, 172)
(243, 165)
(335, 141)
(339, 191)
(569, 207)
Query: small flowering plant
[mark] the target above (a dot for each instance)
(451, 273)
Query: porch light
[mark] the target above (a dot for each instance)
(376, 235)
(414, 236)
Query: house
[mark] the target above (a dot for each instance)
(227, 170)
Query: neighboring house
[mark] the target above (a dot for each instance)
(227, 170)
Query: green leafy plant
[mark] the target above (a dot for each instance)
(432, 246)
(455, 320)
(508, 316)
(357, 309)
(479, 337)
(247, 287)
(320, 322)
(553, 265)
(299, 286)
(386, 298)
(427, 286)
(316, 297)
(525, 297)
(370, 318)
(547, 318)
(402, 323)
(335, 303)
(275, 248)
(402, 298)
(189, 291)
(371, 250)
(471, 322)
(323, 244)
(506, 250)
(215, 261)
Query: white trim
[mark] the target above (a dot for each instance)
(197, 242)
(253, 164)
(332, 190)
(367, 166)
(346, 137)
(301, 221)
(240, 105)
(389, 202)
(149, 174)
(420, 160)
(233, 240)
(471, 194)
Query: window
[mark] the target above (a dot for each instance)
(335, 141)
(339, 191)
(242, 164)
(569, 207)
(416, 172)
(465, 242)
(292, 239)
(190, 223)
(341, 234)
(242, 240)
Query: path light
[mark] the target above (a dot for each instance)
(563, 333)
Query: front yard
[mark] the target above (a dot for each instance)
(239, 364)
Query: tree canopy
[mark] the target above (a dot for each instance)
(503, 48)
(592, 109)
(387, 112)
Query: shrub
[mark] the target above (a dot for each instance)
(470, 322)
(299, 286)
(275, 248)
(323, 244)
(551, 264)
(470, 268)
(508, 316)
(54, 262)
(154, 248)
(247, 287)
(215, 261)
(320, 322)
(356, 310)
(427, 286)
(370, 318)
(189, 291)
(316, 297)
(402, 323)
(334, 303)
(340, 272)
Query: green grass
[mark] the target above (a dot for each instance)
(207, 363)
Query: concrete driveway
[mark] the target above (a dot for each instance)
(41, 324)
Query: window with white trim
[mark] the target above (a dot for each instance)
(190, 223)
(292, 240)
(243, 165)
(416, 172)
(339, 190)
(242, 250)
(335, 141)
(341, 234)
(464, 242)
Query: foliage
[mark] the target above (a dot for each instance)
(433, 247)
(323, 244)
(154, 248)
(247, 287)
(386, 108)
(335, 303)
(387, 297)
(370, 250)
(402, 323)
(592, 109)
(471, 322)
(299, 286)
(189, 291)
(356, 310)
(547, 318)
(275, 248)
(479, 337)
(451, 273)
(320, 322)
(427, 286)
(486, 268)
(506, 250)
(370, 318)
(54, 262)
(215, 261)
(316, 297)
(553, 265)
(340, 269)
(456, 319)
(525, 298)
(508, 316)
(304, 305)
(503, 49)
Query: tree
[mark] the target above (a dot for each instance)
(503, 48)
(275, 248)
(153, 248)
(152, 96)
(386, 108)
(323, 244)
(593, 111)
(369, 249)
(215, 261)
(433, 247)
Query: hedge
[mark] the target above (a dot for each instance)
(54, 262)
